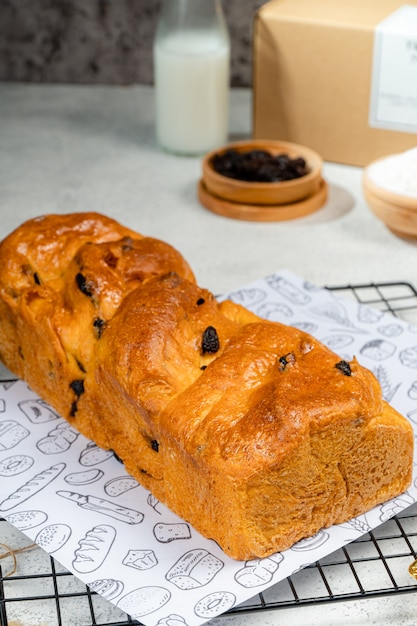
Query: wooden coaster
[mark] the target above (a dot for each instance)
(262, 213)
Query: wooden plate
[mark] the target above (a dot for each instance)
(262, 213)
(400, 220)
(387, 196)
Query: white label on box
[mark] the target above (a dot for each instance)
(393, 104)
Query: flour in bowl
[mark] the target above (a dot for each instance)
(396, 173)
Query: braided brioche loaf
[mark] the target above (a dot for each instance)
(252, 431)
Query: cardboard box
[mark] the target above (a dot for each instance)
(315, 73)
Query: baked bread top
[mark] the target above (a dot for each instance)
(253, 431)
(244, 403)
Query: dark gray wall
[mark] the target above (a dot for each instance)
(100, 41)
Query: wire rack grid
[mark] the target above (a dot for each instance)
(375, 565)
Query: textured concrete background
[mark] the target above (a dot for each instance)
(100, 41)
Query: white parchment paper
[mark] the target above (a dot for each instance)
(76, 501)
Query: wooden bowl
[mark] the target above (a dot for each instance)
(264, 193)
(397, 211)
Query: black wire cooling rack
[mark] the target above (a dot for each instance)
(375, 565)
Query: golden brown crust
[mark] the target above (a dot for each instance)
(251, 430)
(62, 279)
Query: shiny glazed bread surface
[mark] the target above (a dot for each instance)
(253, 431)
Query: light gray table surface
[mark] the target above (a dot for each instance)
(77, 148)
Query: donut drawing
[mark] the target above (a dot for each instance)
(14, 465)
(215, 604)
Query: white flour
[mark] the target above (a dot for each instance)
(396, 173)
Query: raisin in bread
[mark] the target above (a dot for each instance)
(253, 431)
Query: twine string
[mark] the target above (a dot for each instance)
(9, 552)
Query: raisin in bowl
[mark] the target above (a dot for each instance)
(262, 172)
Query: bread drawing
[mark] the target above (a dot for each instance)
(144, 600)
(84, 478)
(33, 486)
(11, 433)
(258, 571)
(58, 440)
(24, 520)
(37, 411)
(408, 357)
(167, 532)
(310, 543)
(194, 569)
(108, 588)
(94, 548)
(100, 505)
(93, 455)
(116, 486)
(53, 537)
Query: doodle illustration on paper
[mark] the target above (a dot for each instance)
(172, 620)
(105, 507)
(165, 532)
(84, 478)
(412, 391)
(109, 588)
(153, 503)
(14, 465)
(25, 520)
(408, 357)
(311, 543)
(37, 411)
(286, 289)
(391, 330)
(334, 311)
(307, 327)
(116, 486)
(388, 389)
(337, 342)
(93, 455)
(93, 548)
(368, 316)
(33, 486)
(248, 297)
(258, 571)
(140, 559)
(358, 526)
(378, 349)
(274, 310)
(215, 604)
(58, 440)
(144, 600)
(51, 538)
(393, 507)
(194, 569)
(11, 434)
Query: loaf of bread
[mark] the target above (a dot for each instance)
(252, 431)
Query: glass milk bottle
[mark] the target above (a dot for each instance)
(192, 75)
